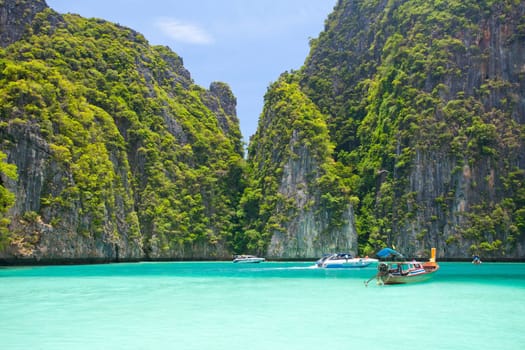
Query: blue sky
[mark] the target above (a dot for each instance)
(244, 43)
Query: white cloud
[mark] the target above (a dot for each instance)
(183, 31)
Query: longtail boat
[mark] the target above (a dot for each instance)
(401, 272)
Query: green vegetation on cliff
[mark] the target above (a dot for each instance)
(425, 109)
(133, 152)
(423, 103)
(291, 172)
(404, 126)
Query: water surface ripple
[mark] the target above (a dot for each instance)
(281, 305)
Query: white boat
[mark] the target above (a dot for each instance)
(344, 260)
(247, 259)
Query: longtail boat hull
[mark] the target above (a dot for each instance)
(403, 272)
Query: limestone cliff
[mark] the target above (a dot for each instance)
(426, 100)
(297, 206)
(404, 127)
(120, 156)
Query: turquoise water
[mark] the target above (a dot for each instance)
(221, 305)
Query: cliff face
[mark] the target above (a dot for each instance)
(52, 232)
(310, 232)
(426, 101)
(296, 205)
(15, 16)
(404, 127)
(119, 154)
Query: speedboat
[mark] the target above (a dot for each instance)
(344, 260)
(247, 259)
(400, 272)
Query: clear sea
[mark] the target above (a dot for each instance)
(272, 305)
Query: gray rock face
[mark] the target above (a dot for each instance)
(89, 207)
(15, 16)
(491, 71)
(36, 239)
(298, 200)
(467, 157)
(223, 104)
(308, 234)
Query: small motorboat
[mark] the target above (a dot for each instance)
(401, 272)
(344, 260)
(247, 259)
(476, 260)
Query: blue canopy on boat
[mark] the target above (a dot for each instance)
(387, 252)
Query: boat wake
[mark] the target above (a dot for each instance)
(283, 268)
(293, 268)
